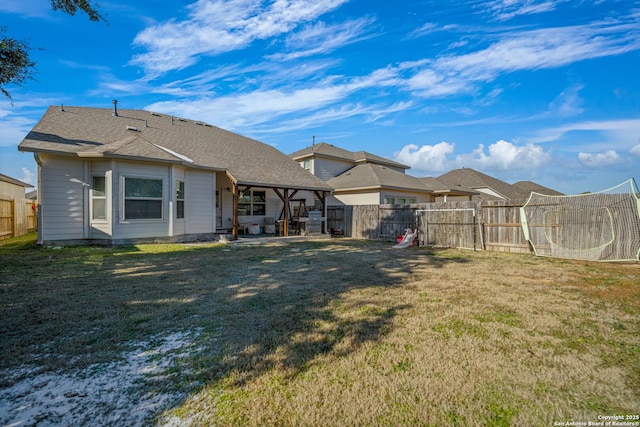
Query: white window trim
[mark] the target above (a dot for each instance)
(183, 200)
(92, 197)
(123, 198)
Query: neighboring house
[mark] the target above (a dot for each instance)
(12, 187)
(528, 187)
(17, 213)
(361, 178)
(116, 176)
(490, 188)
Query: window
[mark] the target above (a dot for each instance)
(142, 198)
(252, 203)
(411, 200)
(402, 201)
(179, 199)
(98, 198)
(390, 200)
(307, 165)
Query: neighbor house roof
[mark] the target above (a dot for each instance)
(375, 176)
(490, 188)
(438, 187)
(528, 187)
(14, 181)
(148, 136)
(329, 151)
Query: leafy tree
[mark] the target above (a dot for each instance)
(72, 6)
(16, 65)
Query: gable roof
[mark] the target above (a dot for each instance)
(370, 176)
(527, 187)
(148, 136)
(330, 151)
(438, 187)
(471, 179)
(14, 181)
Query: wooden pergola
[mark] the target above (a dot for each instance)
(286, 194)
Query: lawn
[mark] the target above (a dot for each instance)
(313, 333)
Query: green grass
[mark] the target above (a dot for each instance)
(338, 332)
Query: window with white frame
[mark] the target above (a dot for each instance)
(98, 198)
(253, 202)
(306, 164)
(142, 198)
(179, 199)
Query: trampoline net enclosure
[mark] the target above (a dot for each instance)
(602, 226)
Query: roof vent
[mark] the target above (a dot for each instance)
(133, 128)
(156, 114)
(61, 107)
(115, 107)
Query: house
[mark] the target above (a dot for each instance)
(13, 188)
(362, 178)
(490, 188)
(16, 214)
(113, 176)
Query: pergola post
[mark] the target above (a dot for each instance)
(235, 221)
(286, 212)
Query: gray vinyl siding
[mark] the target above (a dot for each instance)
(62, 202)
(140, 228)
(102, 229)
(179, 224)
(200, 202)
(326, 169)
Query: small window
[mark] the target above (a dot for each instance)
(412, 200)
(142, 198)
(179, 199)
(98, 198)
(307, 165)
(402, 201)
(252, 203)
(390, 200)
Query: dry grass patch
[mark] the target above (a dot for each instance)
(338, 332)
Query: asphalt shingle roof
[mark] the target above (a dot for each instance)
(527, 187)
(471, 179)
(370, 175)
(144, 135)
(327, 150)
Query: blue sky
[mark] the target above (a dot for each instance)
(541, 90)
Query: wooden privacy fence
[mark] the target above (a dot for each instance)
(487, 225)
(17, 217)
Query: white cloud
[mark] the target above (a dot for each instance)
(635, 151)
(14, 128)
(217, 26)
(568, 103)
(506, 9)
(320, 38)
(28, 176)
(524, 50)
(501, 156)
(620, 134)
(430, 158)
(599, 160)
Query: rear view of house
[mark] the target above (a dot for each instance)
(115, 176)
